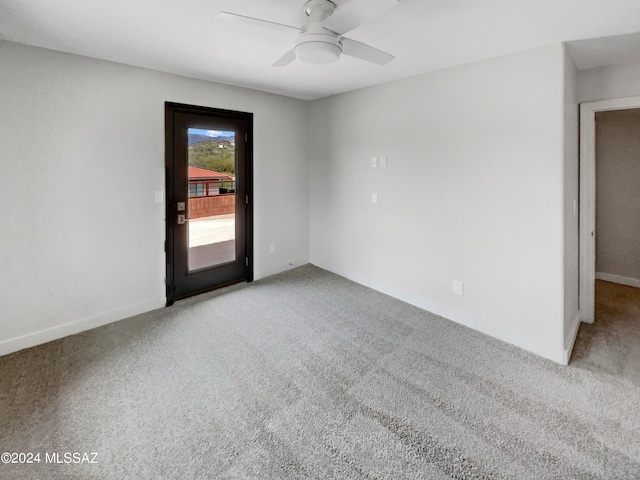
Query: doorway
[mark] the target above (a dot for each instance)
(588, 113)
(209, 199)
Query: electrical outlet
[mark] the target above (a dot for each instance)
(272, 248)
(457, 287)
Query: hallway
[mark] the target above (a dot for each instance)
(612, 344)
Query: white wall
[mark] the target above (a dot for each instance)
(570, 211)
(82, 152)
(474, 191)
(605, 83)
(618, 196)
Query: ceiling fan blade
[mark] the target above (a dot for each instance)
(258, 22)
(285, 60)
(364, 52)
(354, 14)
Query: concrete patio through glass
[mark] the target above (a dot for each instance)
(211, 241)
(215, 229)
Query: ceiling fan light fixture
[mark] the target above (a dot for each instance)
(318, 49)
(317, 53)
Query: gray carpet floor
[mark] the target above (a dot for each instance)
(308, 375)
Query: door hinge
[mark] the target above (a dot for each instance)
(246, 261)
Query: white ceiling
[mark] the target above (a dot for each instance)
(186, 37)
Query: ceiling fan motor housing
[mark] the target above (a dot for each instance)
(317, 45)
(319, 10)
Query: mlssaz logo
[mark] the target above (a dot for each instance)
(71, 457)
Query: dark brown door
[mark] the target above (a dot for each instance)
(209, 216)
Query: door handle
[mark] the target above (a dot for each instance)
(182, 219)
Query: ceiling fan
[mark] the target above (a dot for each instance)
(320, 40)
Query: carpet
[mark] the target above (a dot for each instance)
(306, 375)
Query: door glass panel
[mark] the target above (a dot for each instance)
(211, 202)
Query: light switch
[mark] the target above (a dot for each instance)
(457, 287)
(158, 197)
(374, 198)
(374, 162)
(383, 162)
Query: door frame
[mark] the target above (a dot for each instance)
(171, 198)
(588, 112)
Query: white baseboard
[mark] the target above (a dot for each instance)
(77, 326)
(259, 273)
(506, 335)
(609, 277)
(566, 355)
